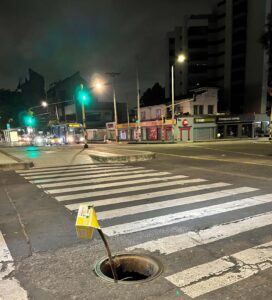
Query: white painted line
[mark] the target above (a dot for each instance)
(68, 167)
(175, 243)
(9, 287)
(100, 180)
(72, 172)
(145, 196)
(224, 271)
(67, 170)
(113, 184)
(111, 174)
(127, 189)
(171, 203)
(186, 215)
(4, 251)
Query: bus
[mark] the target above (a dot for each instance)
(67, 133)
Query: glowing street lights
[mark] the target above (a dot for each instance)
(180, 59)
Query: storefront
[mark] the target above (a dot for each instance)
(196, 129)
(150, 131)
(242, 126)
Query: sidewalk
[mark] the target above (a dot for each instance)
(9, 162)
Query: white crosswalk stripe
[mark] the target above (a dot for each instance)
(170, 203)
(114, 184)
(149, 195)
(8, 283)
(120, 192)
(99, 180)
(42, 170)
(179, 217)
(103, 175)
(128, 189)
(171, 244)
(83, 171)
(222, 272)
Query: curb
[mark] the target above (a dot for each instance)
(18, 165)
(123, 158)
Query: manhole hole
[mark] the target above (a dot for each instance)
(130, 268)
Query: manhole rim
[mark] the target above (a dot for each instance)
(101, 275)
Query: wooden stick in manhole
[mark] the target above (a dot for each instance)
(112, 264)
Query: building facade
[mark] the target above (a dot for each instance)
(223, 50)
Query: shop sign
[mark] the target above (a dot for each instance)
(76, 125)
(227, 119)
(185, 122)
(110, 125)
(204, 120)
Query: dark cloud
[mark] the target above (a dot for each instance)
(57, 38)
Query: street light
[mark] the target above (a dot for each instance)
(44, 104)
(180, 59)
(113, 75)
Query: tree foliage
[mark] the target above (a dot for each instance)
(153, 96)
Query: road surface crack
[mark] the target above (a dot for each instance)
(21, 223)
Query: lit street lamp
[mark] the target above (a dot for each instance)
(181, 58)
(113, 75)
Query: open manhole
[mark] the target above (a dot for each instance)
(130, 268)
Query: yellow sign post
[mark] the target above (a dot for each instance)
(86, 222)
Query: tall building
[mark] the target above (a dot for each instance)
(239, 64)
(233, 57)
(190, 39)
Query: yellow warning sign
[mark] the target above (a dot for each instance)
(86, 221)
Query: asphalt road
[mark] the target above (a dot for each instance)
(204, 210)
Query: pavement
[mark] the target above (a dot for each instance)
(14, 158)
(10, 162)
(208, 221)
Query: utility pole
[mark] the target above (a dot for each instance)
(113, 75)
(270, 127)
(128, 126)
(138, 107)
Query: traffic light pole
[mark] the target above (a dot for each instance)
(84, 125)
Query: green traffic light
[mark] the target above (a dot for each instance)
(29, 121)
(83, 95)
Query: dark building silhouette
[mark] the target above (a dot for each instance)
(64, 94)
(32, 89)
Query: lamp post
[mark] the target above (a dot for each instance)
(181, 58)
(113, 75)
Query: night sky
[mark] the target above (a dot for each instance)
(57, 38)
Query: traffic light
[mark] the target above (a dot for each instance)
(83, 95)
(29, 121)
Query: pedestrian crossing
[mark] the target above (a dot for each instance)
(131, 199)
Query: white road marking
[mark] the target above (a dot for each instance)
(68, 167)
(9, 287)
(175, 243)
(179, 217)
(99, 180)
(112, 184)
(224, 271)
(83, 171)
(111, 174)
(113, 213)
(127, 189)
(145, 196)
